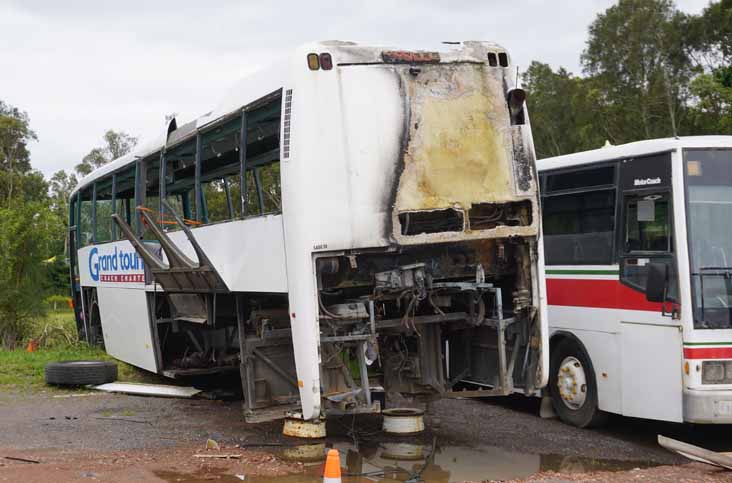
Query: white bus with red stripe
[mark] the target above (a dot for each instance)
(638, 247)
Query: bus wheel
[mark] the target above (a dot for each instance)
(572, 386)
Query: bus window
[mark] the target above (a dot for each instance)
(647, 223)
(86, 230)
(125, 197)
(269, 180)
(152, 192)
(179, 189)
(217, 200)
(647, 239)
(579, 217)
(104, 211)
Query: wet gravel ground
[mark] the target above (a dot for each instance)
(99, 422)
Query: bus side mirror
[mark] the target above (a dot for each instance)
(657, 282)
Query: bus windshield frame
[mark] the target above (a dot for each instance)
(708, 200)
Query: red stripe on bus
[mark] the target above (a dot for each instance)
(606, 294)
(707, 352)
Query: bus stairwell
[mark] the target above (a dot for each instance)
(189, 285)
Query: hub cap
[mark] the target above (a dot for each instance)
(572, 383)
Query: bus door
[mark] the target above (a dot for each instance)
(650, 331)
(74, 269)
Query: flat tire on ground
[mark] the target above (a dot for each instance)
(80, 373)
(573, 387)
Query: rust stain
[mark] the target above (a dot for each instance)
(456, 156)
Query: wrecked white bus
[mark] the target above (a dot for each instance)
(355, 219)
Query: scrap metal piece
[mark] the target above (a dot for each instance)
(176, 258)
(300, 428)
(180, 274)
(140, 389)
(696, 453)
(403, 420)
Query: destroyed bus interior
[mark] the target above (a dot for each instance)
(445, 303)
(195, 317)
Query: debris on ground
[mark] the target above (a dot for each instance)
(219, 456)
(23, 460)
(140, 389)
(696, 453)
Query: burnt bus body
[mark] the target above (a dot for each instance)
(405, 252)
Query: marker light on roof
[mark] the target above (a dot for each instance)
(326, 61)
(313, 62)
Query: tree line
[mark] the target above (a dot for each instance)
(34, 222)
(648, 71)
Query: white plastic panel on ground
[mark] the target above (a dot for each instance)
(139, 389)
(652, 373)
(126, 327)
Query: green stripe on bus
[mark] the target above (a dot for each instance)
(708, 343)
(582, 272)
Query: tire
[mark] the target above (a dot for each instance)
(80, 373)
(576, 400)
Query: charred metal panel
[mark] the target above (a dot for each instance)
(457, 152)
(460, 150)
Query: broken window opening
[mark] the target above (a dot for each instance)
(103, 211)
(86, 227)
(487, 216)
(151, 200)
(124, 197)
(435, 221)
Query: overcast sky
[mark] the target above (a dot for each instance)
(80, 67)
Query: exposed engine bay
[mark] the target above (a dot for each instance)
(419, 321)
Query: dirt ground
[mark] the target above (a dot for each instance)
(91, 436)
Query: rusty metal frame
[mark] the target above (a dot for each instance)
(114, 205)
(94, 213)
(248, 347)
(243, 134)
(197, 179)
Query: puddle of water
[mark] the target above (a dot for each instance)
(400, 461)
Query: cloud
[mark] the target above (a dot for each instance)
(81, 67)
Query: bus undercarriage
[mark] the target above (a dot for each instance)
(404, 326)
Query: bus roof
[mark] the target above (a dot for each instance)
(270, 79)
(629, 150)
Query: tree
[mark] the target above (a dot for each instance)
(636, 60)
(708, 37)
(116, 145)
(708, 41)
(26, 232)
(15, 134)
(563, 110)
(61, 185)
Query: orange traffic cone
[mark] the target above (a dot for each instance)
(32, 346)
(332, 473)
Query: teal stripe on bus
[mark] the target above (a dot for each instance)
(581, 272)
(708, 343)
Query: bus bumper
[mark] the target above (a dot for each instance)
(707, 407)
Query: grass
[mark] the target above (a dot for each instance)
(22, 371)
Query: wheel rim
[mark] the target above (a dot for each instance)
(572, 383)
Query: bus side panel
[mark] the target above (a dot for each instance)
(126, 326)
(601, 345)
(249, 255)
(651, 359)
